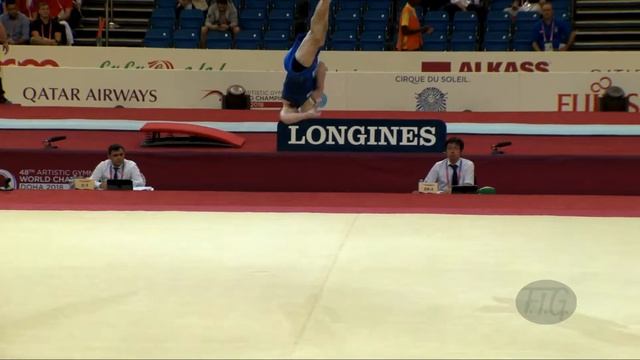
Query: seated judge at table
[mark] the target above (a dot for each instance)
(454, 170)
(116, 167)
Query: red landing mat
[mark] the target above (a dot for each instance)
(602, 206)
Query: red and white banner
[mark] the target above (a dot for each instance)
(568, 92)
(381, 61)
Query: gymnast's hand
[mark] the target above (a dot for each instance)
(316, 95)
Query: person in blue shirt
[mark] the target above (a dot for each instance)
(551, 34)
(304, 83)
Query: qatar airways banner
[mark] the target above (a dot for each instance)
(85, 87)
(263, 60)
(564, 92)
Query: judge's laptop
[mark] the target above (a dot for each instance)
(464, 189)
(119, 184)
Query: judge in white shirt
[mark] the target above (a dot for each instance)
(116, 167)
(454, 170)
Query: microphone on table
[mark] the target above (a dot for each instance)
(495, 148)
(48, 143)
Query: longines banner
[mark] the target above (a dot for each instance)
(262, 60)
(363, 135)
(565, 92)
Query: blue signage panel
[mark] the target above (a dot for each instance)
(363, 135)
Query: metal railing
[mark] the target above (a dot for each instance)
(109, 19)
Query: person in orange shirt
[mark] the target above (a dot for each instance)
(410, 31)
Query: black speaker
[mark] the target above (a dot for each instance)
(614, 99)
(236, 98)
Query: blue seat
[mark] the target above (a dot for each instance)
(191, 19)
(436, 16)
(158, 38)
(372, 41)
(463, 42)
(280, 19)
(437, 41)
(465, 21)
(375, 20)
(496, 46)
(276, 40)
(465, 16)
(163, 18)
(498, 21)
(527, 18)
(219, 40)
(375, 26)
(465, 27)
(166, 4)
(249, 40)
(253, 19)
(500, 4)
(494, 41)
(562, 4)
(525, 26)
(564, 16)
(378, 5)
(347, 18)
(186, 38)
(440, 27)
(351, 5)
(288, 5)
(344, 40)
(522, 41)
(439, 20)
(257, 4)
(346, 26)
(464, 32)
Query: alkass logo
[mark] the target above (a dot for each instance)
(486, 66)
(590, 101)
(29, 62)
(161, 64)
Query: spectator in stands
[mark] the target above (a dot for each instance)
(551, 34)
(525, 6)
(45, 30)
(61, 10)
(190, 4)
(410, 32)
(454, 170)
(479, 6)
(116, 167)
(29, 8)
(16, 24)
(5, 48)
(222, 16)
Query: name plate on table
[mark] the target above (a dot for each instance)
(427, 188)
(84, 184)
(363, 135)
